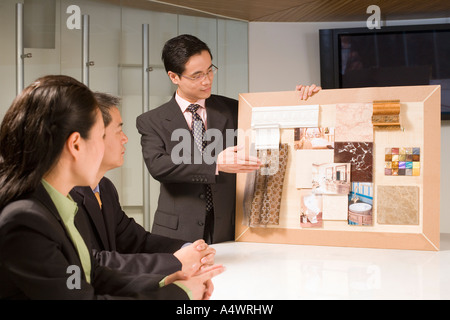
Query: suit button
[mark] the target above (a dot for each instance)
(200, 223)
(201, 196)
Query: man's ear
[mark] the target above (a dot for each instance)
(175, 78)
(73, 144)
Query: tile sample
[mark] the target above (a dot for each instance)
(335, 207)
(402, 161)
(303, 161)
(354, 122)
(359, 155)
(398, 205)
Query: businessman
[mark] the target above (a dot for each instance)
(197, 197)
(118, 241)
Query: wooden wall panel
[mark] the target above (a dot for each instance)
(295, 10)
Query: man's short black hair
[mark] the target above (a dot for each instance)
(178, 50)
(105, 102)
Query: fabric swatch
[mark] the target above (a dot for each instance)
(265, 207)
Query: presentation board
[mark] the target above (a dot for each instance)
(347, 167)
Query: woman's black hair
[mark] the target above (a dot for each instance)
(35, 128)
(178, 50)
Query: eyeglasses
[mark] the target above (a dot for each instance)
(200, 76)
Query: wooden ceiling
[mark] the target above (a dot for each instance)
(297, 10)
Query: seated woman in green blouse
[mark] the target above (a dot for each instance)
(51, 139)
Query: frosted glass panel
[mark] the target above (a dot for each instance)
(203, 28)
(162, 27)
(104, 44)
(44, 60)
(39, 23)
(116, 50)
(7, 54)
(131, 188)
(232, 77)
(206, 30)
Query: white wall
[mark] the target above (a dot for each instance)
(282, 55)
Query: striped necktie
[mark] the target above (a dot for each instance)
(198, 130)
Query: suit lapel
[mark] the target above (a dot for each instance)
(173, 117)
(109, 216)
(95, 214)
(41, 195)
(44, 198)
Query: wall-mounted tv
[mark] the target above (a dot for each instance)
(390, 56)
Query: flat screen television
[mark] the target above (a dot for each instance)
(390, 56)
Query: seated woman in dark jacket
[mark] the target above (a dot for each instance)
(51, 139)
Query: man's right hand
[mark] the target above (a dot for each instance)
(234, 160)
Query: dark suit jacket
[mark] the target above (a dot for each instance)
(35, 252)
(181, 208)
(118, 241)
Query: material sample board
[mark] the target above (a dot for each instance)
(347, 180)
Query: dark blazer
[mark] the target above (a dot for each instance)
(181, 211)
(35, 252)
(118, 241)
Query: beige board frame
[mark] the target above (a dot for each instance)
(420, 120)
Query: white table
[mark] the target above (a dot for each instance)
(276, 271)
